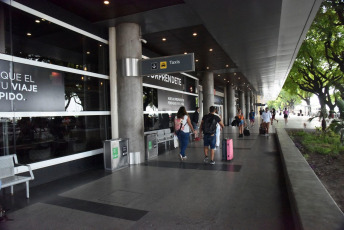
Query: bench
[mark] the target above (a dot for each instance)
(162, 135)
(8, 175)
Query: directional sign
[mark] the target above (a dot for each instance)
(168, 64)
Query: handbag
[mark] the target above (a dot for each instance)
(175, 141)
(247, 131)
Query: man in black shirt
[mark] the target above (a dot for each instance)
(208, 126)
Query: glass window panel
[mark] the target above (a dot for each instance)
(5, 45)
(31, 88)
(7, 136)
(40, 40)
(43, 138)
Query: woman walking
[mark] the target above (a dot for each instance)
(241, 123)
(182, 124)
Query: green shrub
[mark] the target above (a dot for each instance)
(325, 143)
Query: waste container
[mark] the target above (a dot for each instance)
(116, 153)
(151, 146)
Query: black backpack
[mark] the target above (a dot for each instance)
(209, 125)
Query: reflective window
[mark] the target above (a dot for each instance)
(5, 45)
(36, 139)
(40, 40)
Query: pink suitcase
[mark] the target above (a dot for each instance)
(229, 149)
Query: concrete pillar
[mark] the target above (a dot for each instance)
(208, 91)
(248, 104)
(2, 30)
(230, 103)
(242, 102)
(225, 110)
(129, 87)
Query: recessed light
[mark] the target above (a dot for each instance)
(185, 53)
(227, 66)
(224, 79)
(37, 21)
(28, 34)
(43, 19)
(219, 75)
(234, 74)
(196, 60)
(106, 2)
(164, 39)
(239, 78)
(100, 45)
(194, 34)
(88, 52)
(210, 50)
(207, 67)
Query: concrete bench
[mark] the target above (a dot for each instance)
(8, 175)
(312, 206)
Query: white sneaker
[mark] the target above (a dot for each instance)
(185, 157)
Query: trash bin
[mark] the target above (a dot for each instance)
(151, 146)
(116, 153)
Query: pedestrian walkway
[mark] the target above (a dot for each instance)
(247, 193)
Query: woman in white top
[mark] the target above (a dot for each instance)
(183, 122)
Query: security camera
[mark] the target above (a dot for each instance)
(143, 40)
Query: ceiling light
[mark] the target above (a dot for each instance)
(88, 52)
(106, 2)
(28, 34)
(194, 34)
(224, 79)
(43, 19)
(239, 78)
(196, 60)
(234, 74)
(100, 45)
(227, 66)
(185, 53)
(210, 50)
(207, 67)
(164, 39)
(219, 75)
(37, 21)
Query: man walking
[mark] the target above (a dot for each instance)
(208, 126)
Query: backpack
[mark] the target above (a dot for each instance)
(178, 125)
(209, 125)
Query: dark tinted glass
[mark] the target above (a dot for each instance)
(5, 45)
(40, 40)
(44, 138)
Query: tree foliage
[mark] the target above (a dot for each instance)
(317, 68)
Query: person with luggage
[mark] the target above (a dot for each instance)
(266, 116)
(286, 115)
(241, 123)
(252, 115)
(182, 126)
(194, 121)
(208, 127)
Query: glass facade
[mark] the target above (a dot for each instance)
(40, 40)
(36, 139)
(34, 97)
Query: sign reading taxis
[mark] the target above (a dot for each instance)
(168, 64)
